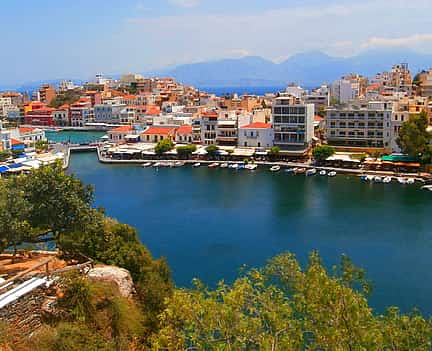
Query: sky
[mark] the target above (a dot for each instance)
(51, 39)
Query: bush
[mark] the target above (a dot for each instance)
(323, 152)
(164, 146)
(212, 150)
(186, 151)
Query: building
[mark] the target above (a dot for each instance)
(27, 136)
(157, 133)
(40, 117)
(226, 132)
(81, 112)
(364, 127)
(293, 123)
(119, 134)
(46, 94)
(343, 91)
(320, 98)
(184, 134)
(256, 134)
(61, 116)
(208, 125)
(108, 113)
(424, 83)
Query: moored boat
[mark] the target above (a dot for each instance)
(311, 172)
(234, 166)
(402, 180)
(275, 169)
(323, 172)
(213, 165)
(147, 164)
(179, 164)
(387, 180)
(290, 170)
(157, 164)
(410, 181)
(300, 170)
(196, 165)
(427, 187)
(224, 165)
(377, 179)
(251, 167)
(332, 174)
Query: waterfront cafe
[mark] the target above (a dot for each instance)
(396, 163)
(342, 160)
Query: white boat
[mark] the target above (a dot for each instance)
(402, 180)
(234, 166)
(410, 181)
(213, 165)
(147, 164)
(370, 178)
(323, 173)
(275, 169)
(427, 187)
(299, 170)
(251, 167)
(224, 165)
(196, 165)
(311, 172)
(378, 179)
(387, 180)
(179, 164)
(332, 174)
(157, 164)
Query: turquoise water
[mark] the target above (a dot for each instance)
(75, 137)
(208, 223)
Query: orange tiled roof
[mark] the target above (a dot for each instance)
(16, 142)
(185, 129)
(258, 125)
(159, 131)
(122, 129)
(318, 118)
(24, 130)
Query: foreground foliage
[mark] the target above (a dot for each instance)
(323, 152)
(282, 307)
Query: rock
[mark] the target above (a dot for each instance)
(119, 276)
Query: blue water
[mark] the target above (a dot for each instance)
(75, 137)
(208, 223)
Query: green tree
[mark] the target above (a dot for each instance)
(322, 152)
(4, 155)
(285, 307)
(274, 152)
(212, 150)
(164, 146)
(186, 151)
(414, 139)
(41, 145)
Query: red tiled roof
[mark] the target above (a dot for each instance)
(159, 131)
(122, 129)
(24, 130)
(318, 118)
(16, 142)
(258, 125)
(185, 129)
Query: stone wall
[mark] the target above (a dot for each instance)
(25, 314)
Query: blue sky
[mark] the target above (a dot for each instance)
(50, 39)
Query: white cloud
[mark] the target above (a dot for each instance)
(407, 41)
(185, 3)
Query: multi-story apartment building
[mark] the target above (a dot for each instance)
(108, 113)
(226, 132)
(41, 116)
(81, 112)
(61, 116)
(293, 123)
(424, 83)
(46, 94)
(343, 91)
(362, 126)
(320, 97)
(208, 124)
(256, 134)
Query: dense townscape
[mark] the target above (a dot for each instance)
(354, 115)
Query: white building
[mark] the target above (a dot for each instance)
(108, 113)
(365, 126)
(293, 123)
(344, 90)
(295, 90)
(256, 134)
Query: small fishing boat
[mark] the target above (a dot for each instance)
(402, 180)
(157, 164)
(369, 178)
(275, 169)
(224, 165)
(196, 165)
(427, 187)
(364, 178)
(251, 167)
(290, 170)
(179, 164)
(377, 179)
(323, 173)
(332, 174)
(147, 164)
(387, 180)
(213, 165)
(234, 166)
(300, 170)
(241, 166)
(311, 172)
(410, 181)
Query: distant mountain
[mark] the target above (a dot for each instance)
(308, 69)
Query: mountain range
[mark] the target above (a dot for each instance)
(308, 69)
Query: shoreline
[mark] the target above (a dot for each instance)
(282, 164)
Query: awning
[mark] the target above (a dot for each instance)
(4, 169)
(243, 152)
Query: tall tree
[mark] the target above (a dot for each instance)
(414, 139)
